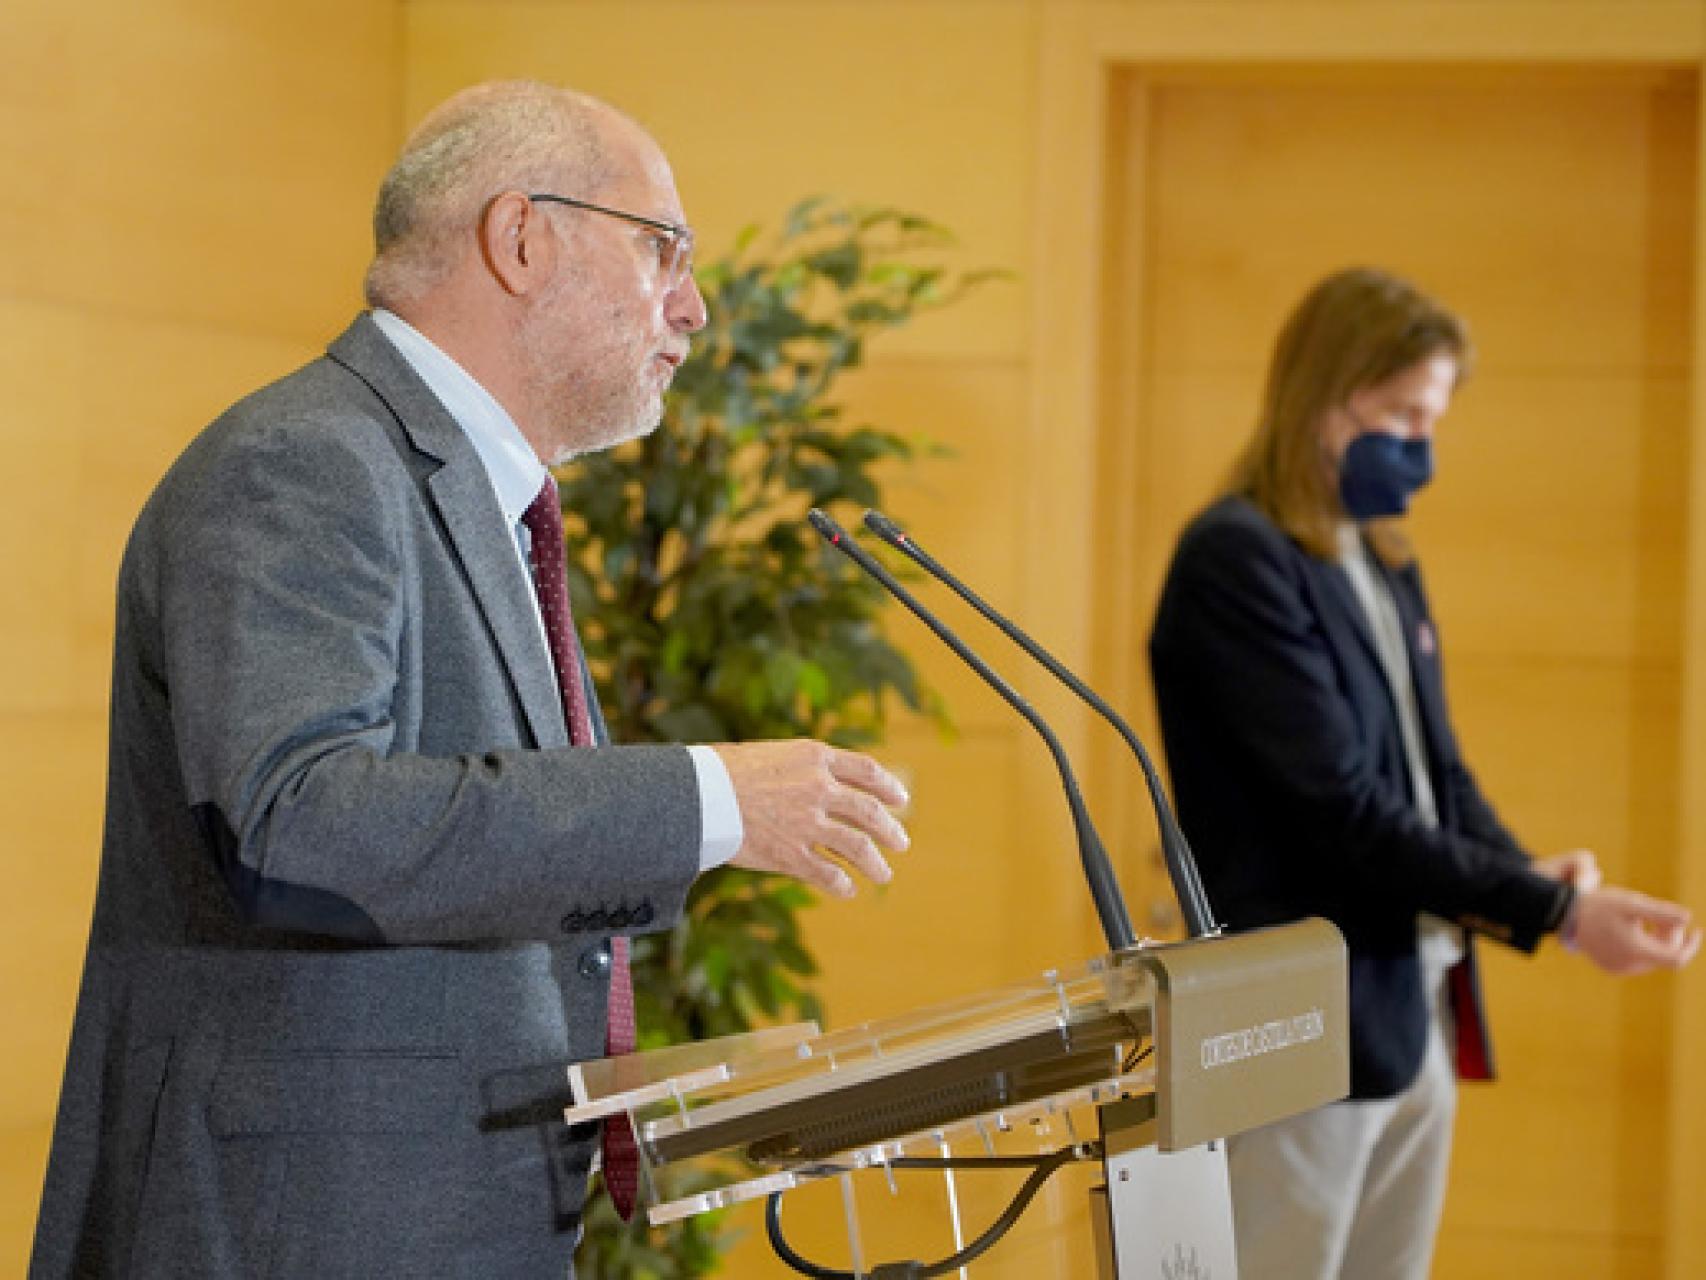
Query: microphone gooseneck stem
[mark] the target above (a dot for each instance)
(1098, 871)
(1175, 849)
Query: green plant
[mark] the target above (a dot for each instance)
(710, 612)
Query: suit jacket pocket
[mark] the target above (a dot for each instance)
(372, 1147)
(328, 1093)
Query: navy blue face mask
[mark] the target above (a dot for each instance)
(1379, 473)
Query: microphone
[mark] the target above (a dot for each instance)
(1104, 888)
(1175, 849)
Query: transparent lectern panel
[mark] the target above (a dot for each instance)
(605, 1086)
(733, 1120)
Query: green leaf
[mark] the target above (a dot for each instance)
(799, 219)
(691, 723)
(676, 646)
(781, 675)
(814, 684)
(840, 263)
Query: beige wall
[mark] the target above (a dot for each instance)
(182, 217)
(186, 216)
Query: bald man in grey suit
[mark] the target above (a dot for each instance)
(358, 892)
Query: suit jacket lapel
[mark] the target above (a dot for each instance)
(462, 495)
(464, 499)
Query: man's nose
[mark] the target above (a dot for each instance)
(685, 307)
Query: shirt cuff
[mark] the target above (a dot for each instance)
(720, 827)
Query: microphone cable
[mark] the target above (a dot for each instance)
(1042, 1167)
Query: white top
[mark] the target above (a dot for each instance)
(516, 475)
(1441, 942)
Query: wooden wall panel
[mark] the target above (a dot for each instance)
(921, 103)
(1685, 1253)
(1552, 293)
(962, 503)
(187, 163)
(39, 353)
(184, 218)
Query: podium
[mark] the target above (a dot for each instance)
(1143, 1059)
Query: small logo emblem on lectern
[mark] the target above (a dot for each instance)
(1183, 1266)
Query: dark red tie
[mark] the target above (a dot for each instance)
(544, 521)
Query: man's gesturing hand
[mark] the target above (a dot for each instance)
(806, 808)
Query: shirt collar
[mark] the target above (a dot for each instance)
(514, 470)
(1351, 548)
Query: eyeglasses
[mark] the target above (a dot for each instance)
(674, 242)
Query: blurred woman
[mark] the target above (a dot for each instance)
(1297, 672)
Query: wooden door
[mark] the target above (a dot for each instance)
(1555, 211)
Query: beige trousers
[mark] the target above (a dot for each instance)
(1352, 1190)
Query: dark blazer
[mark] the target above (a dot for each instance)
(1289, 771)
(356, 889)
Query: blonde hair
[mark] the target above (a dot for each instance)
(1355, 329)
(505, 135)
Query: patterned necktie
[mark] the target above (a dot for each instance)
(544, 521)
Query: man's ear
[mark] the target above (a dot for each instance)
(517, 244)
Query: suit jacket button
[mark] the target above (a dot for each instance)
(595, 962)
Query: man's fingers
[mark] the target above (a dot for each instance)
(857, 849)
(788, 857)
(814, 812)
(861, 810)
(858, 770)
(825, 874)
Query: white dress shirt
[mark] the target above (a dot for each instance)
(516, 475)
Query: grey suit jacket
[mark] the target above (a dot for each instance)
(356, 890)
